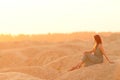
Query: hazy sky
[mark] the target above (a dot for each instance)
(61, 16)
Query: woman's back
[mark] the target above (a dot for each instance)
(98, 52)
(98, 55)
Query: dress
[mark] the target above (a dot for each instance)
(90, 59)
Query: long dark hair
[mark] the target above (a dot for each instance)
(97, 39)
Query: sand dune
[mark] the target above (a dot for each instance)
(50, 60)
(36, 71)
(16, 76)
(96, 72)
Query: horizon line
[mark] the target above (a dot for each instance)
(59, 33)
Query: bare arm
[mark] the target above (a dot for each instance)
(90, 51)
(103, 52)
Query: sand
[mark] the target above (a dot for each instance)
(49, 59)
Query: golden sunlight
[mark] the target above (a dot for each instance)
(64, 16)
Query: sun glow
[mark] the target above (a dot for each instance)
(58, 16)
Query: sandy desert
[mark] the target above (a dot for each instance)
(49, 56)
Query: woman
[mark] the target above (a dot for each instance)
(94, 56)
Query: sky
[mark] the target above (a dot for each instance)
(59, 16)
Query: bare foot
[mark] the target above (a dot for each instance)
(73, 68)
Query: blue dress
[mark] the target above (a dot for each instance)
(90, 59)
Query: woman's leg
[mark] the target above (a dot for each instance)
(84, 57)
(77, 66)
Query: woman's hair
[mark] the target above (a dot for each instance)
(98, 39)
